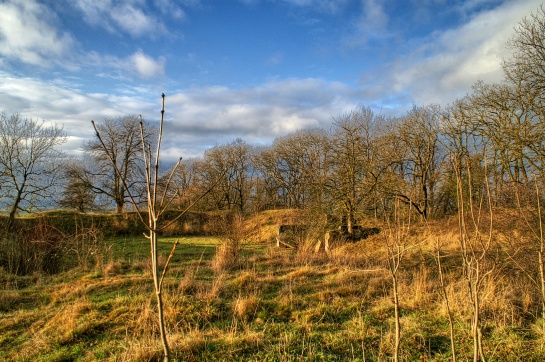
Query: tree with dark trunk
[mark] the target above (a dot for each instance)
(121, 137)
(30, 163)
(354, 167)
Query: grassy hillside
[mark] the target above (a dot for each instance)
(279, 304)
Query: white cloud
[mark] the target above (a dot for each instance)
(28, 34)
(197, 118)
(275, 59)
(218, 115)
(62, 103)
(94, 11)
(170, 8)
(146, 66)
(122, 69)
(135, 21)
(129, 16)
(374, 15)
(447, 64)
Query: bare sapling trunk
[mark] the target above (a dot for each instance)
(539, 283)
(156, 205)
(475, 247)
(396, 248)
(396, 316)
(446, 299)
(540, 261)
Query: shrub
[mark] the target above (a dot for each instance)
(31, 248)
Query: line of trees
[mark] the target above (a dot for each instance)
(359, 168)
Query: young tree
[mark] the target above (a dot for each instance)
(158, 200)
(30, 162)
(477, 243)
(396, 246)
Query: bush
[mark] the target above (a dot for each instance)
(31, 248)
(87, 245)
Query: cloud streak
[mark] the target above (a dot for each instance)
(26, 34)
(331, 6)
(127, 16)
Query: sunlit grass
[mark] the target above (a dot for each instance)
(274, 306)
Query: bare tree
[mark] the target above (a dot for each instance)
(121, 139)
(355, 168)
(78, 193)
(233, 161)
(527, 63)
(30, 162)
(295, 168)
(419, 158)
(184, 184)
(525, 72)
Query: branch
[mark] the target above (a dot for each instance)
(133, 201)
(407, 200)
(193, 203)
(167, 262)
(167, 185)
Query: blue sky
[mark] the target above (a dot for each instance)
(250, 69)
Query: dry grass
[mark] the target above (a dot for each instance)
(275, 306)
(245, 307)
(226, 257)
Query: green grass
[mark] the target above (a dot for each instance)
(133, 248)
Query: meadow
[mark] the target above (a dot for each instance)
(276, 304)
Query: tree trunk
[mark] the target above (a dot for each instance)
(157, 282)
(162, 328)
(476, 327)
(11, 219)
(397, 321)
